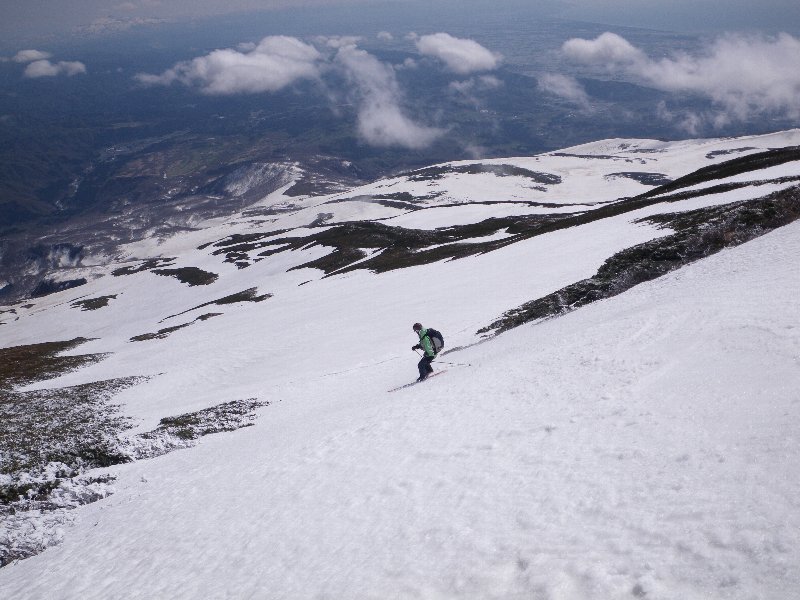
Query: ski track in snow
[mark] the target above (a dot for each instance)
(643, 446)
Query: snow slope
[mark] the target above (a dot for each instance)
(618, 451)
(643, 446)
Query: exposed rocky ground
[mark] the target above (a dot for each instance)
(53, 441)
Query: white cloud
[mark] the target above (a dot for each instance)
(743, 75)
(338, 41)
(275, 63)
(40, 66)
(475, 84)
(608, 49)
(474, 89)
(381, 121)
(279, 61)
(565, 87)
(24, 56)
(688, 121)
(108, 25)
(408, 63)
(476, 151)
(385, 36)
(45, 68)
(460, 55)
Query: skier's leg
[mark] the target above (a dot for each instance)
(423, 367)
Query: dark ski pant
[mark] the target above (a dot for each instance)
(425, 367)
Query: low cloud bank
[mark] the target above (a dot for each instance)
(45, 68)
(608, 49)
(480, 84)
(25, 56)
(110, 25)
(743, 75)
(565, 87)
(39, 65)
(275, 63)
(462, 56)
(381, 121)
(279, 61)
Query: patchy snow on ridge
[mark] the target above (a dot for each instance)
(572, 179)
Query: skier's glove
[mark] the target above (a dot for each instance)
(417, 347)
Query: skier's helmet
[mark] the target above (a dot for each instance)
(417, 326)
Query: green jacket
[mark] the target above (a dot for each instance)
(425, 343)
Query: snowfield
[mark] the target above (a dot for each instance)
(643, 446)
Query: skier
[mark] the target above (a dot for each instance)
(429, 352)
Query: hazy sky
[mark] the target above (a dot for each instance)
(38, 17)
(744, 72)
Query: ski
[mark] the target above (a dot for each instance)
(407, 385)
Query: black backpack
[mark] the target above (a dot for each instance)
(437, 340)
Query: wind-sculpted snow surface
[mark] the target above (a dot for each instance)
(644, 446)
(699, 234)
